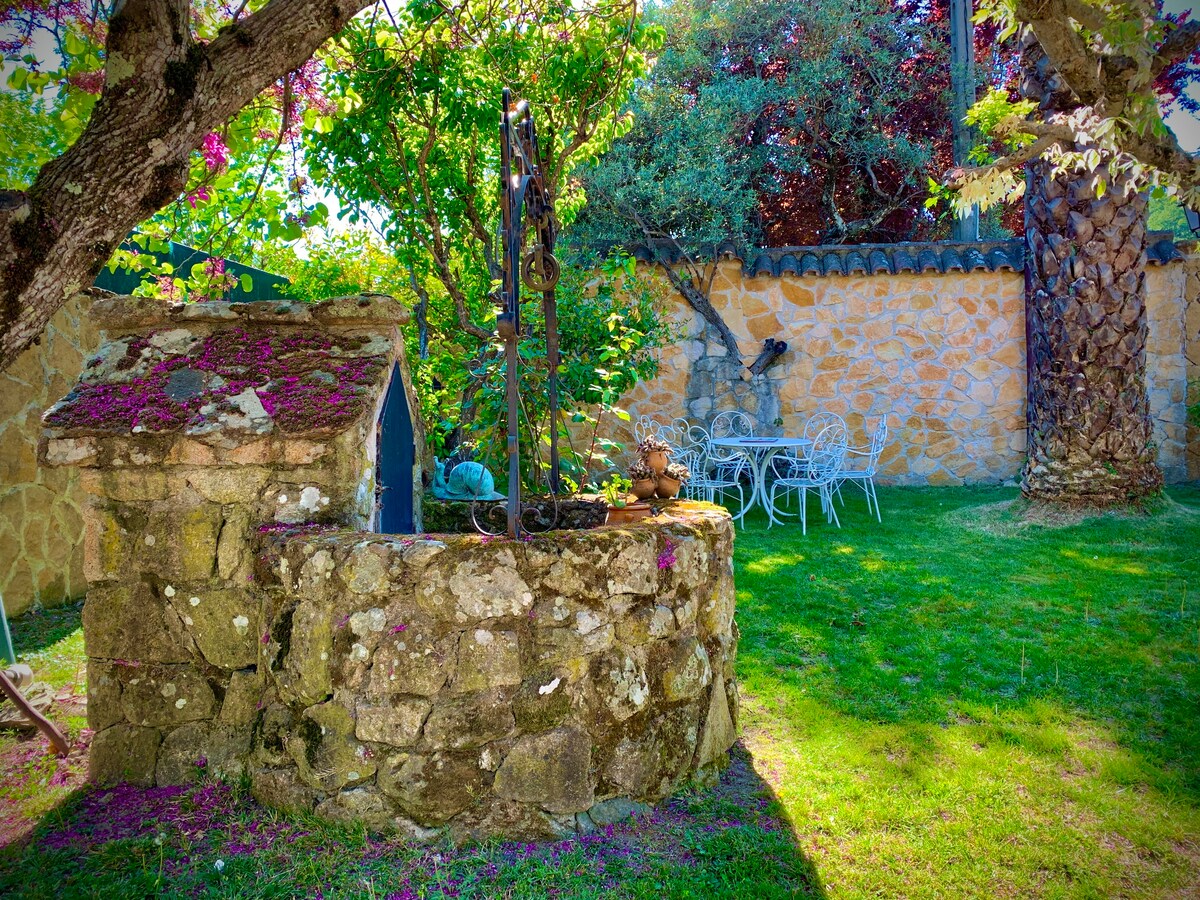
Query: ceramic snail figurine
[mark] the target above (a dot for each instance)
(467, 481)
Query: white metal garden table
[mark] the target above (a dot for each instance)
(760, 451)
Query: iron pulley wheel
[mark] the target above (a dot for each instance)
(539, 269)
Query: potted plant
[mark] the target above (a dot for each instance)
(672, 479)
(620, 508)
(655, 452)
(643, 480)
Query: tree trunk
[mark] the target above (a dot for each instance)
(163, 93)
(1085, 324)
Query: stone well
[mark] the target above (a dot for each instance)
(528, 689)
(244, 621)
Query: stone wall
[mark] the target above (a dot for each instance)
(41, 518)
(1173, 363)
(937, 351)
(488, 687)
(1192, 368)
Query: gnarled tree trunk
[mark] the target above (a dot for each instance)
(164, 91)
(1085, 322)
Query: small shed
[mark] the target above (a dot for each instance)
(198, 429)
(282, 391)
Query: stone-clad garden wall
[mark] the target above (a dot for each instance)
(491, 687)
(41, 518)
(930, 337)
(1173, 364)
(933, 342)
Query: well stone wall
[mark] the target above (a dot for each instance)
(491, 687)
(243, 621)
(41, 509)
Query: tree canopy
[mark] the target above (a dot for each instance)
(418, 160)
(167, 86)
(782, 123)
(1106, 70)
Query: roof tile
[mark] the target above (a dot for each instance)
(938, 257)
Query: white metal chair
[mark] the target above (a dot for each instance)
(708, 483)
(861, 465)
(645, 427)
(674, 432)
(818, 422)
(731, 464)
(816, 472)
(814, 425)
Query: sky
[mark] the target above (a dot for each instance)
(1184, 124)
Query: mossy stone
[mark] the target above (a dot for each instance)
(124, 753)
(327, 754)
(166, 695)
(552, 770)
(432, 788)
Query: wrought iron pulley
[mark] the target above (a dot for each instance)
(526, 204)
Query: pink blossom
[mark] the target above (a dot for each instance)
(666, 559)
(167, 287)
(200, 195)
(214, 267)
(214, 151)
(88, 82)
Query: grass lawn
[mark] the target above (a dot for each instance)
(955, 703)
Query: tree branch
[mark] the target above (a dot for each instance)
(1064, 47)
(1179, 45)
(695, 297)
(1046, 137)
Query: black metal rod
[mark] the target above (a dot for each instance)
(509, 323)
(550, 308)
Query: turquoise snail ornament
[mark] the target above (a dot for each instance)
(467, 481)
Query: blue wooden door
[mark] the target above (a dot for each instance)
(396, 454)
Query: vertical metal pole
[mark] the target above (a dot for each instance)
(550, 306)
(962, 85)
(510, 322)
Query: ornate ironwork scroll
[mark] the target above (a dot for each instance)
(526, 205)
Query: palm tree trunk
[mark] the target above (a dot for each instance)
(1085, 322)
(1085, 325)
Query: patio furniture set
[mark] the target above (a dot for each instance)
(727, 458)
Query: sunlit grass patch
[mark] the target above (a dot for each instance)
(934, 706)
(997, 711)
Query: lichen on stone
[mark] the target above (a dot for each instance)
(295, 380)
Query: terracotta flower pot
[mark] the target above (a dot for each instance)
(644, 489)
(668, 487)
(630, 512)
(656, 460)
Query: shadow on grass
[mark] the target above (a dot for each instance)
(213, 840)
(41, 628)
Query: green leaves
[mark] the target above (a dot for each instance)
(1123, 130)
(752, 108)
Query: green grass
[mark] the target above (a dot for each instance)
(955, 703)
